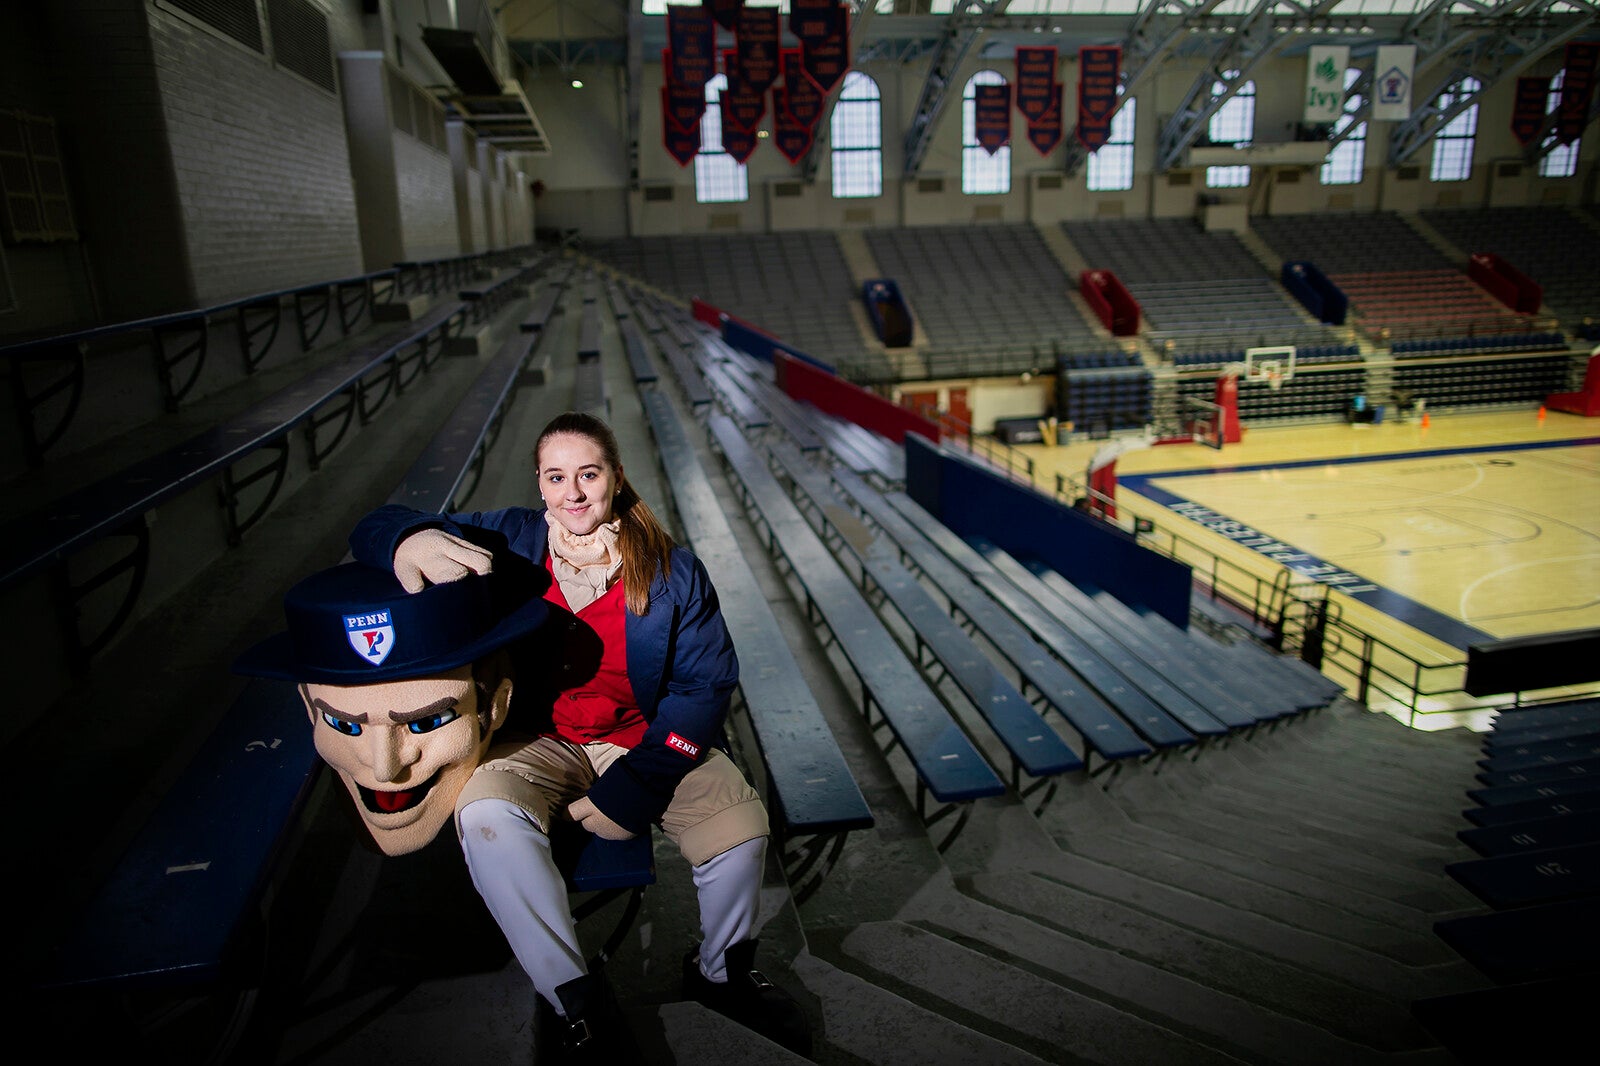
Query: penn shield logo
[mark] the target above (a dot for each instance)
(371, 635)
(675, 741)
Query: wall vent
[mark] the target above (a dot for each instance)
(34, 204)
(1108, 209)
(236, 18)
(988, 213)
(1290, 176)
(723, 220)
(1508, 170)
(1342, 201)
(658, 194)
(930, 185)
(1408, 173)
(858, 216)
(787, 189)
(300, 40)
(1048, 181)
(1179, 178)
(1450, 198)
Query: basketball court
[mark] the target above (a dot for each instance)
(1433, 536)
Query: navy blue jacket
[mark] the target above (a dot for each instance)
(681, 661)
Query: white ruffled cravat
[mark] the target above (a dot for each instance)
(585, 566)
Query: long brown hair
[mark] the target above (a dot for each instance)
(645, 544)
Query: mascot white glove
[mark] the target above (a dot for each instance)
(432, 556)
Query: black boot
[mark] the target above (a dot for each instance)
(749, 998)
(593, 1031)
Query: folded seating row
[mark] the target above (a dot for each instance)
(1536, 831)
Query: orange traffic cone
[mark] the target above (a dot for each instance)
(1427, 420)
(1541, 412)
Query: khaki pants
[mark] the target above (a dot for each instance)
(713, 809)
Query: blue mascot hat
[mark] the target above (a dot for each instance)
(355, 625)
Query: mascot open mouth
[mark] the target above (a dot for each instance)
(396, 800)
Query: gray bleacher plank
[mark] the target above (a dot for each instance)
(1528, 943)
(734, 400)
(1532, 810)
(32, 542)
(1153, 683)
(544, 308)
(943, 755)
(1033, 746)
(807, 772)
(1102, 729)
(1545, 753)
(1538, 835)
(637, 349)
(1153, 723)
(1537, 877)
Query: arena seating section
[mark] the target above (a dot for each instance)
(1553, 245)
(1198, 290)
(796, 286)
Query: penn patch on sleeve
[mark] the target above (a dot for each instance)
(675, 741)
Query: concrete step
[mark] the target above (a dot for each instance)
(868, 1023)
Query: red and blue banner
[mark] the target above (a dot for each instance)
(1528, 108)
(1577, 85)
(725, 12)
(802, 96)
(789, 135)
(742, 103)
(692, 41)
(682, 144)
(739, 143)
(991, 117)
(812, 20)
(682, 103)
(1099, 69)
(1036, 82)
(1045, 133)
(826, 58)
(756, 42)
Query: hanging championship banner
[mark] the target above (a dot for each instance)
(681, 144)
(725, 12)
(789, 135)
(1528, 108)
(801, 95)
(756, 42)
(1045, 133)
(681, 104)
(1099, 69)
(827, 58)
(812, 20)
(1391, 82)
(745, 105)
(737, 142)
(1325, 65)
(991, 116)
(692, 40)
(1036, 81)
(1577, 85)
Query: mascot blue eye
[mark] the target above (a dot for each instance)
(432, 722)
(348, 728)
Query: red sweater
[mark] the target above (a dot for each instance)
(595, 699)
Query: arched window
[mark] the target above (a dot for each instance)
(1452, 147)
(1345, 164)
(718, 177)
(1235, 124)
(981, 173)
(1561, 161)
(1111, 166)
(857, 138)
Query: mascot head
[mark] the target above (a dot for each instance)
(403, 690)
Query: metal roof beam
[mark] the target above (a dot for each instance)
(962, 28)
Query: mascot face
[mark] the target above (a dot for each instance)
(404, 749)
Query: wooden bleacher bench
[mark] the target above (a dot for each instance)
(947, 764)
(636, 348)
(693, 383)
(787, 414)
(184, 907)
(589, 389)
(490, 296)
(1103, 732)
(544, 308)
(862, 451)
(1152, 681)
(179, 341)
(117, 504)
(1034, 747)
(813, 797)
(1534, 943)
(589, 331)
(733, 399)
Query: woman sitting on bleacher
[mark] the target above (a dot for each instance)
(630, 715)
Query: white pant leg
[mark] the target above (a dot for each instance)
(512, 867)
(729, 888)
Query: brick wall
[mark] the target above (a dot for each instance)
(427, 199)
(260, 161)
